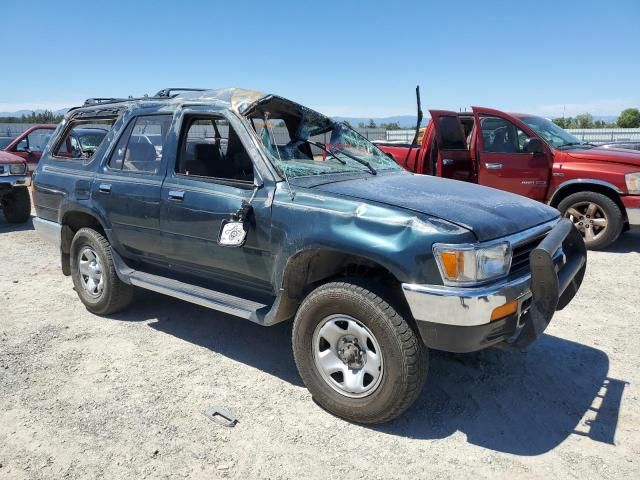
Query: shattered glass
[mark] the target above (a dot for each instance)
(321, 146)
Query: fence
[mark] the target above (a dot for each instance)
(606, 135)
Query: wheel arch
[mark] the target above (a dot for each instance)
(587, 185)
(72, 220)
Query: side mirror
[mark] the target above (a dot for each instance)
(533, 145)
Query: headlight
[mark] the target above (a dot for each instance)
(17, 168)
(471, 264)
(633, 183)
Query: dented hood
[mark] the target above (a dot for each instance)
(487, 212)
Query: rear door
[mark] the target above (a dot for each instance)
(127, 188)
(452, 151)
(503, 161)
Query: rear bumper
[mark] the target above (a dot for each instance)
(632, 205)
(459, 319)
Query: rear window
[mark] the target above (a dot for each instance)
(82, 138)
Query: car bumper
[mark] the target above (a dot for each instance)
(632, 205)
(50, 232)
(15, 180)
(459, 319)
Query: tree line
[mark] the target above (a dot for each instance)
(44, 117)
(629, 118)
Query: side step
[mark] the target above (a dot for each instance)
(222, 302)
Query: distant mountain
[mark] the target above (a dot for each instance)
(19, 113)
(405, 121)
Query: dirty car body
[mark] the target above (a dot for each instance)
(196, 198)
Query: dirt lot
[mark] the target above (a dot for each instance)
(123, 397)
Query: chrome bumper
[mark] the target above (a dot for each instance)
(16, 180)
(633, 214)
(49, 231)
(463, 306)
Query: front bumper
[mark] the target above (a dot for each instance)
(459, 319)
(632, 206)
(8, 181)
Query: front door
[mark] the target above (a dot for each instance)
(211, 181)
(453, 158)
(502, 156)
(127, 188)
(30, 147)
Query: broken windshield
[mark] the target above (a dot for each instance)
(302, 142)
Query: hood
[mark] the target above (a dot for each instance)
(6, 157)
(614, 155)
(487, 212)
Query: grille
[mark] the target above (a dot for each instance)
(520, 262)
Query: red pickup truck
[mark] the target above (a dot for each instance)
(30, 143)
(597, 188)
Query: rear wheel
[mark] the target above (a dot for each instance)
(16, 205)
(359, 358)
(596, 216)
(94, 274)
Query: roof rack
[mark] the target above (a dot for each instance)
(99, 100)
(167, 92)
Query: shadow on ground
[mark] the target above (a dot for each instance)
(521, 403)
(14, 227)
(628, 242)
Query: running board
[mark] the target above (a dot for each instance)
(260, 313)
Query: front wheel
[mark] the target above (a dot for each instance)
(16, 205)
(596, 216)
(359, 358)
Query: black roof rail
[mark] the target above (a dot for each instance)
(99, 100)
(167, 92)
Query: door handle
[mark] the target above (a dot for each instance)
(493, 166)
(176, 195)
(105, 188)
(447, 161)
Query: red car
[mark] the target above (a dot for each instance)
(597, 188)
(30, 144)
(15, 200)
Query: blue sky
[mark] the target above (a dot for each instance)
(344, 58)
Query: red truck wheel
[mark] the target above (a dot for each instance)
(596, 216)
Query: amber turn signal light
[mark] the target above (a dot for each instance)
(504, 310)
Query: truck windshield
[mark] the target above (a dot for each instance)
(552, 133)
(301, 142)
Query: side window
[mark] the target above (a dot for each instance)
(212, 149)
(140, 146)
(35, 141)
(83, 139)
(451, 133)
(501, 136)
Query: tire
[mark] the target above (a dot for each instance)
(16, 205)
(601, 208)
(402, 356)
(91, 260)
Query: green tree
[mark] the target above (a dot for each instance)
(561, 122)
(372, 124)
(584, 120)
(361, 125)
(390, 126)
(629, 118)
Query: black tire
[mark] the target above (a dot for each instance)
(16, 205)
(611, 211)
(115, 294)
(405, 358)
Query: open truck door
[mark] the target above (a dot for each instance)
(451, 155)
(510, 155)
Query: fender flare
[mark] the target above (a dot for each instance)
(585, 182)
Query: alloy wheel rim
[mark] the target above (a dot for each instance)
(589, 218)
(347, 356)
(91, 275)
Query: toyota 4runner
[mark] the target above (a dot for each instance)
(191, 194)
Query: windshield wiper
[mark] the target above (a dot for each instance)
(352, 157)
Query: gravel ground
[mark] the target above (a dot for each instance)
(123, 397)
